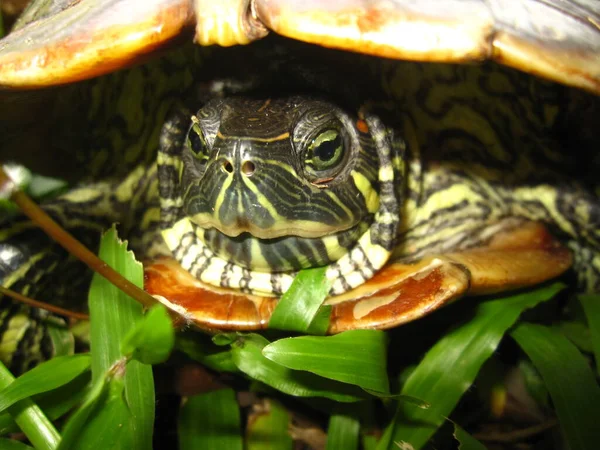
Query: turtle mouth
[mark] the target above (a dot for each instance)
(242, 226)
(281, 253)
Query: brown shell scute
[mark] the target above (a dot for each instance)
(555, 39)
(88, 39)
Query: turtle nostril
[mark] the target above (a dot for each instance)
(248, 168)
(226, 167)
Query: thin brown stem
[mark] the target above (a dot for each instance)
(42, 305)
(516, 435)
(72, 245)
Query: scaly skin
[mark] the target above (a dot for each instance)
(482, 144)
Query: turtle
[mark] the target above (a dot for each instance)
(231, 169)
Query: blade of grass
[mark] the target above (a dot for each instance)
(47, 376)
(247, 356)
(320, 323)
(211, 420)
(200, 348)
(570, 382)
(300, 304)
(112, 314)
(103, 420)
(342, 432)
(591, 307)
(9, 444)
(30, 418)
(268, 430)
(451, 365)
(55, 403)
(465, 440)
(356, 357)
(63, 341)
(151, 340)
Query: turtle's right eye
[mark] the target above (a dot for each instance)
(196, 141)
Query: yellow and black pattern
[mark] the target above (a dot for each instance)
(484, 148)
(443, 198)
(300, 181)
(248, 202)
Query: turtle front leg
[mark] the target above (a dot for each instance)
(33, 265)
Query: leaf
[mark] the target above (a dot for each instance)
(10, 444)
(151, 340)
(45, 377)
(210, 420)
(534, 383)
(297, 308)
(577, 332)
(569, 380)
(591, 306)
(268, 430)
(451, 365)
(103, 420)
(466, 441)
(200, 348)
(356, 357)
(42, 187)
(63, 341)
(55, 403)
(30, 418)
(342, 432)
(247, 356)
(320, 323)
(112, 314)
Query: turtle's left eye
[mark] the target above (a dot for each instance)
(196, 142)
(324, 154)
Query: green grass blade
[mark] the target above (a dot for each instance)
(63, 341)
(200, 348)
(30, 418)
(570, 382)
(248, 357)
(466, 441)
(356, 357)
(42, 187)
(9, 444)
(112, 314)
(269, 430)
(210, 421)
(55, 403)
(591, 306)
(320, 323)
(45, 377)
(103, 420)
(342, 432)
(300, 304)
(451, 365)
(151, 340)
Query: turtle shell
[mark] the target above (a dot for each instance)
(70, 41)
(557, 40)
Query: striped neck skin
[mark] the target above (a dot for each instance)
(269, 187)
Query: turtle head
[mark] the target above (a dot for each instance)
(253, 190)
(278, 184)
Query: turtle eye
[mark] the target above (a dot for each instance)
(196, 141)
(325, 152)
